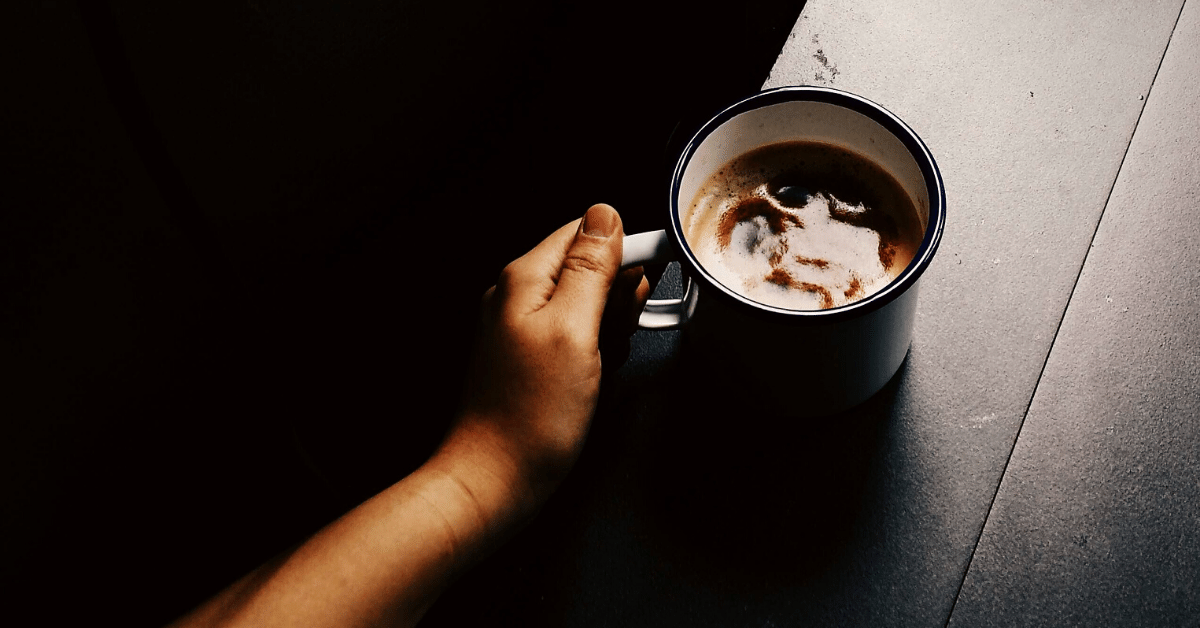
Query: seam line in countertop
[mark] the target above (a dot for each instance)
(1066, 308)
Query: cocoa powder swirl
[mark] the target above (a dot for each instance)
(809, 261)
(803, 225)
(789, 190)
(777, 220)
(781, 277)
(747, 210)
(855, 289)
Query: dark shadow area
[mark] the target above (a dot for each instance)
(596, 110)
(243, 245)
(735, 493)
(577, 554)
(682, 503)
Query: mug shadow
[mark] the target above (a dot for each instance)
(736, 489)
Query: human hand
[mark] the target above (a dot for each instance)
(534, 383)
(535, 377)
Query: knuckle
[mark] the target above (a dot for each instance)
(508, 274)
(586, 260)
(510, 278)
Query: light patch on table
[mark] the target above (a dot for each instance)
(981, 421)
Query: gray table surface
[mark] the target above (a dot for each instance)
(1034, 463)
(1053, 391)
(1038, 460)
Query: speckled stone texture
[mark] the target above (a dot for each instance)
(688, 510)
(1028, 108)
(1096, 521)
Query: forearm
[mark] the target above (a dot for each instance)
(386, 561)
(534, 387)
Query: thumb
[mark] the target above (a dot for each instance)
(589, 268)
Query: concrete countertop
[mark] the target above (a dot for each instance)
(1034, 461)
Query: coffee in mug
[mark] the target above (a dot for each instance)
(803, 219)
(803, 225)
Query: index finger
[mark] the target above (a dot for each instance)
(529, 281)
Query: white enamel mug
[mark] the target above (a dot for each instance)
(799, 362)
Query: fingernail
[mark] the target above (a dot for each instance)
(600, 221)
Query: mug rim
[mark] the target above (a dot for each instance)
(890, 122)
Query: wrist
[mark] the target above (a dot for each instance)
(502, 487)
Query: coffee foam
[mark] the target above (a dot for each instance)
(791, 246)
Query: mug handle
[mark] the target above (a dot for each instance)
(650, 248)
